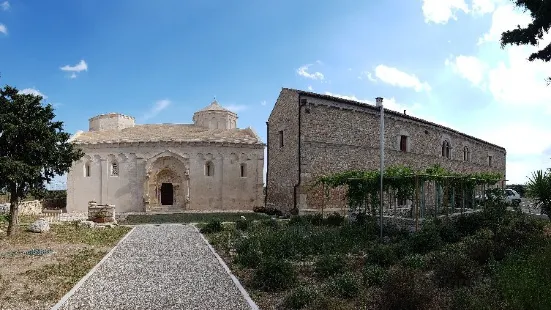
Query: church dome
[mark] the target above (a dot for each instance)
(215, 116)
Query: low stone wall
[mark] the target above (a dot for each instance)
(104, 211)
(33, 207)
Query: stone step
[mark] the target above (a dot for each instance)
(166, 209)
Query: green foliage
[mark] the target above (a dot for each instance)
(373, 275)
(426, 240)
(345, 285)
(33, 146)
(453, 268)
(242, 224)
(248, 254)
(4, 218)
(271, 223)
(525, 281)
(406, 289)
(329, 265)
(300, 297)
(213, 226)
(539, 188)
(274, 275)
(383, 254)
(414, 261)
(334, 219)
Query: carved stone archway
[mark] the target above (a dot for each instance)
(172, 171)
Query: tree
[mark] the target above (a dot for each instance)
(540, 11)
(33, 147)
(539, 188)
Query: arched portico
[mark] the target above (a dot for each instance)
(166, 186)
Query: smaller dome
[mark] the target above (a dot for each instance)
(214, 106)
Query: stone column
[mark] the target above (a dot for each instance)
(104, 179)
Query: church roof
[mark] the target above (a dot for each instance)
(169, 133)
(214, 106)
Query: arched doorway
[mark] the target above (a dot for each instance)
(167, 185)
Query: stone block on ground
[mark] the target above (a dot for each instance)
(39, 226)
(88, 224)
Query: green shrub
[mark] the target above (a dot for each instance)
(334, 219)
(328, 265)
(272, 223)
(300, 297)
(299, 220)
(345, 285)
(453, 268)
(382, 254)
(426, 240)
(525, 280)
(406, 289)
(480, 247)
(274, 275)
(242, 224)
(315, 219)
(414, 261)
(247, 253)
(373, 275)
(213, 226)
(4, 218)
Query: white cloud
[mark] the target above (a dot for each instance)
(505, 17)
(157, 108)
(389, 103)
(310, 88)
(3, 29)
(236, 107)
(440, 11)
(481, 7)
(263, 102)
(5, 5)
(303, 71)
(469, 67)
(399, 78)
(32, 91)
(368, 75)
(79, 67)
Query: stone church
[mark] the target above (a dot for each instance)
(310, 135)
(208, 165)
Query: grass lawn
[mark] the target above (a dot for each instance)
(469, 263)
(190, 217)
(38, 282)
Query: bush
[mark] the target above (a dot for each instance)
(453, 268)
(406, 289)
(271, 223)
(480, 247)
(382, 254)
(213, 226)
(247, 254)
(414, 261)
(426, 240)
(334, 219)
(242, 224)
(274, 275)
(315, 219)
(299, 220)
(329, 265)
(373, 275)
(4, 218)
(269, 211)
(300, 297)
(345, 285)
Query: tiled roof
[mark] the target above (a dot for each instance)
(391, 112)
(214, 106)
(169, 133)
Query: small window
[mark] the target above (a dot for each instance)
(114, 169)
(281, 138)
(403, 143)
(490, 161)
(466, 154)
(243, 171)
(446, 149)
(87, 170)
(209, 169)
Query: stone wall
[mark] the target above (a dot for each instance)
(33, 207)
(337, 136)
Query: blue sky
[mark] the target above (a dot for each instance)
(160, 61)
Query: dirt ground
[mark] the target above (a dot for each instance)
(30, 281)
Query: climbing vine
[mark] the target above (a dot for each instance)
(363, 186)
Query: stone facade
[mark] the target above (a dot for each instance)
(310, 135)
(208, 165)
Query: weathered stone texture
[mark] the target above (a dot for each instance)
(339, 135)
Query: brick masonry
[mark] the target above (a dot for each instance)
(338, 135)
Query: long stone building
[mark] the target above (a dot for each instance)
(310, 135)
(208, 165)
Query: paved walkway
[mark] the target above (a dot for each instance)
(159, 267)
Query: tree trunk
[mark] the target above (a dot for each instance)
(14, 212)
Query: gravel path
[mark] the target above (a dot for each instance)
(159, 267)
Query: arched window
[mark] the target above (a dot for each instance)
(87, 169)
(446, 149)
(209, 169)
(466, 154)
(114, 169)
(243, 170)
